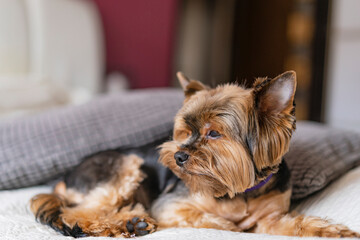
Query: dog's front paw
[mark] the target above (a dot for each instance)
(140, 226)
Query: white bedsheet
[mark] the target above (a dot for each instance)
(339, 201)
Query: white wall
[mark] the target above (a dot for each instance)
(51, 54)
(14, 38)
(343, 89)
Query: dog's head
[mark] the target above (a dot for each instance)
(229, 138)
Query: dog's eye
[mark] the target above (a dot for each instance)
(212, 134)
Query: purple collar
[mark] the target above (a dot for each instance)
(262, 183)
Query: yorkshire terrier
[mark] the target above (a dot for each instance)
(226, 157)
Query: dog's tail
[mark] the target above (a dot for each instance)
(47, 209)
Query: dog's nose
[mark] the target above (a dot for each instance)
(181, 158)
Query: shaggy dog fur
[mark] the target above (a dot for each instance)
(227, 148)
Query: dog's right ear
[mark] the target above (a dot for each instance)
(275, 96)
(189, 86)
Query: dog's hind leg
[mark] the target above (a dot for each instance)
(128, 221)
(107, 209)
(304, 226)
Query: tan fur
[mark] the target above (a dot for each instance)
(305, 226)
(44, 206)
(265, 205)
(190, 212)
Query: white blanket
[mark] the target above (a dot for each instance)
(339, 201)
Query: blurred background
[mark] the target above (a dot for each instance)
(66, 52)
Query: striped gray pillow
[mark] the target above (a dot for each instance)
(318, 155)
(38, 148)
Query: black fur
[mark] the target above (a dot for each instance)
(191, 121)
(93, 170)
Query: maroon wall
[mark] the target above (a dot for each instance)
(139, 38)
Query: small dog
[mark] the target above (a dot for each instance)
(227, 156)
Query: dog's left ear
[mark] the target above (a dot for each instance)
(275, 119)
(274, 96)
(189, 86)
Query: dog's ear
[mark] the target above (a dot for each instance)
(274, 119)
(274, 96)
(189, 86)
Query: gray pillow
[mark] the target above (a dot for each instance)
(36, 149)
(318, 155)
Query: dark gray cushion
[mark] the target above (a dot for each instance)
(318, 155)
(36, 149)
